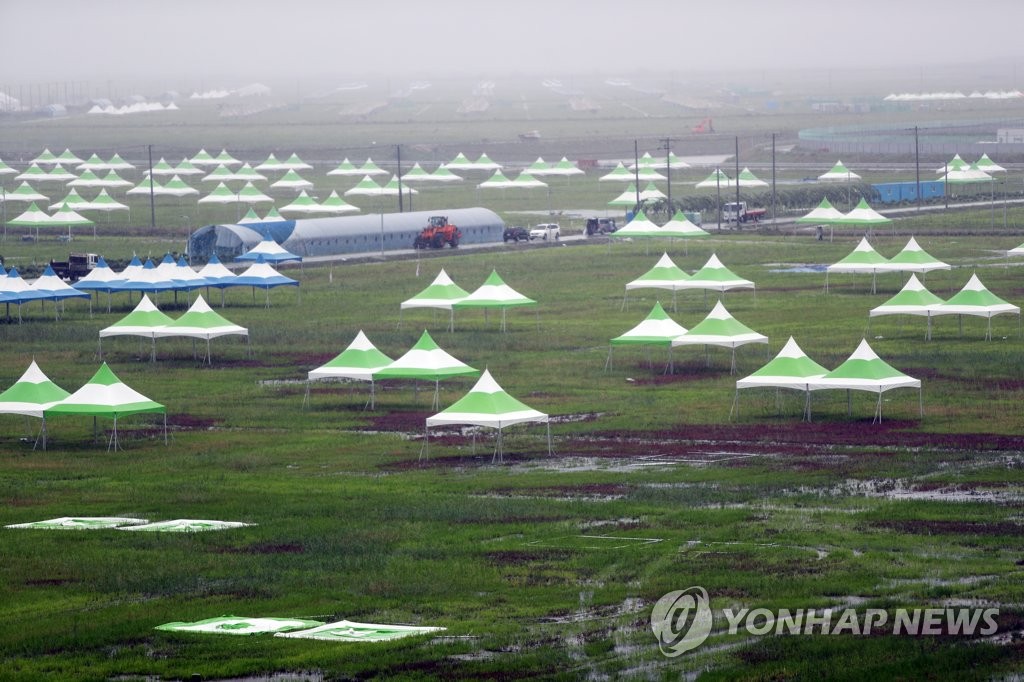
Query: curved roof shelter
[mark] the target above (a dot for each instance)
(343, 234)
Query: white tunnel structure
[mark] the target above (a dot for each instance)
(350, 234)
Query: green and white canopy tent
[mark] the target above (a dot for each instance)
(221, 195)
(6, 170)
(915, 259)
(838, 173)
(292, 180)
(67, 216)
(186, 168)
(335, 204)
(250, 194)
(143, 321)
(651, 193)
(913, 299)
(93, 163)
(370, 168)
(988, 165)
(358, 361)
(714, 276)
(114, 181)
(226, 159)
(273, 164)
(295, 163)
(748, 179)
(24, 192)
(618, 174)
(484, 162)
(104, 395)
(657, 329)
(720, 328)
(442, 293)
(790, 369)
(365, 187)
(627, 198)
(494, 293)
(640, 227)
(865, 371)
(680, 227)
(161, 167)
(235, 625)
(526, 181)
(302, 204)
(351, 631)
(956, 163)
(31, 395)
(460, 162)
(862, 259)
(496, 181)
(862, 215)
(81, 523)
(488, 405)
(428, 362)
(202, 322)
(416, 174)
(33, 217)
(539, 167)
(117, 163)
(73, 200)
(976, 300)
(664, 275)
(346, 167)
(824, 214)
(718, 179)
(443, 174)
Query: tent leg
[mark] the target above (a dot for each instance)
(920, 403)
(624, 295)
(849, 404)
(165, 428)
(608, 360)
(426, 444)
(735, 404)
(550, 452)
(373, 391)
(305, 398)
(437, 395)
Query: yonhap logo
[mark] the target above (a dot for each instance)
(681, 620)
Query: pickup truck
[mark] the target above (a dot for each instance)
(546, 231)
(734, 212)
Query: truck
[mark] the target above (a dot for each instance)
(77, 266)
(737, 212)
(437, 233)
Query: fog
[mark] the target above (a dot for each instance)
(258, 40)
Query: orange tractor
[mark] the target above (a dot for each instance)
(437, 233)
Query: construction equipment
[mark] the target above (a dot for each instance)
(437, 233)
(704, 126)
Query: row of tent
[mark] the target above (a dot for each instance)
(104, 395)
(485, 405)
(444, 294)
(146, 278)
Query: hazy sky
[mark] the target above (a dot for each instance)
(112, 39)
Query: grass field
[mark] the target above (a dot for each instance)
(541, 565)
(764, 511)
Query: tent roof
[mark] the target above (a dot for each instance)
(862, 214)
(664, 275)
(657, 329)
(425, 360)
(441, 293)
(863, 258)
(913, 299)
(838, 172)
(865, 371)
(144, 320)
(679, 226)
(105, 396)
(791, 368)
(201, 322)
(271, 251)
(639, 226)
(358, 361)
(719, 328)
(915, 259)
(31, 394)
(494, 293)
(716, 277)
(487, 404)
(825, 213)
(975, 299)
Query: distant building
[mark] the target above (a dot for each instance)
(1010, 135)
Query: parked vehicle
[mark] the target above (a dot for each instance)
(597, 226)
(546, 231)
(515, 233)
(77, 266)
(734, 212)
(437, 233)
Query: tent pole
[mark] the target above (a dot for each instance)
(305, 398)
(608, 360)
(372, 394)
(735, 401)
(548, 423)
(849, 404)
(165, 428)
(920, 402)
(426, 443)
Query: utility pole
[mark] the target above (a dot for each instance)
(737, 181)
(917, 165)
(636, 173)
(398, 152)
(774, 212)
(667, 146)
(152, 200)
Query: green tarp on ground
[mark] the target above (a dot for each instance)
(351, 631)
